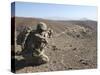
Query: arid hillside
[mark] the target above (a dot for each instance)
(73, 45)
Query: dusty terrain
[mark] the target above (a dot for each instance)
(73, 45)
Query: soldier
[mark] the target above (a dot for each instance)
(34, 44)
(50, 32)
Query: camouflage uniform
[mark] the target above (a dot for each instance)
(34, 44)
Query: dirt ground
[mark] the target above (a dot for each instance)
(72, 47)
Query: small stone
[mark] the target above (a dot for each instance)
(74, 48)
(69, 68)
(77, 36)
(70, 45)
(83, 62)
(54, 48)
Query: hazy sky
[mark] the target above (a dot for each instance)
(42, 10)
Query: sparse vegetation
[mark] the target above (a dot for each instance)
(76, 40)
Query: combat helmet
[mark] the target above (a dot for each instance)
(41, 26)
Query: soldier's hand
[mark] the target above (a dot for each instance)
(45, 41)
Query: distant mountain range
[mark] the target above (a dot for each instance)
(62, 18)
(65, 18)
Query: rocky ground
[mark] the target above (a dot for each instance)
(72, 47)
